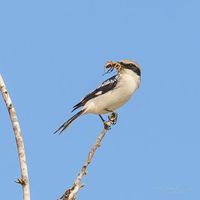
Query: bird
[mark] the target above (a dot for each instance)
(111, 94)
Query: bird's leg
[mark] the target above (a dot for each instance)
(105, 123)
(103, 120)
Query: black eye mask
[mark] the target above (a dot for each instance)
(132, 67)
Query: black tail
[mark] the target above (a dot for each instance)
(68, 122)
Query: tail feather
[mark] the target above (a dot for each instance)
(68, 122)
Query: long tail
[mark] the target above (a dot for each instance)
(68, 122)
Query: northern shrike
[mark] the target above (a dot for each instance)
(111, 94)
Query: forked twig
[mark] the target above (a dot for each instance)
(24, 181)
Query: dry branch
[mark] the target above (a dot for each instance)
(24, 181)
(70, 194)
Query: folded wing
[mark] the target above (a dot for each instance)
(106, 86)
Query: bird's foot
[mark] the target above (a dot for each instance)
(113, 118)
(107, 125)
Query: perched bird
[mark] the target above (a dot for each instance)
(111, 94)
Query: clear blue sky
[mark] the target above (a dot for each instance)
(53, 52)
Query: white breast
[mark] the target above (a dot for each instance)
(112, 100)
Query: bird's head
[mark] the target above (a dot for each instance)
(122, 66)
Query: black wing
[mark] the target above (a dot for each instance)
(106, 86)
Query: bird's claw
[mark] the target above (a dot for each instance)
(113, 118)
(107, 125)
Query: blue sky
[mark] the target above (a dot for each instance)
(52, 53)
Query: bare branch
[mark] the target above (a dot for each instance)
(24, 181)
(71, 193)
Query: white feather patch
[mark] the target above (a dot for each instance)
(98, 93)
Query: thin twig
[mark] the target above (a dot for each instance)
(24, 181)
(71, 193)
